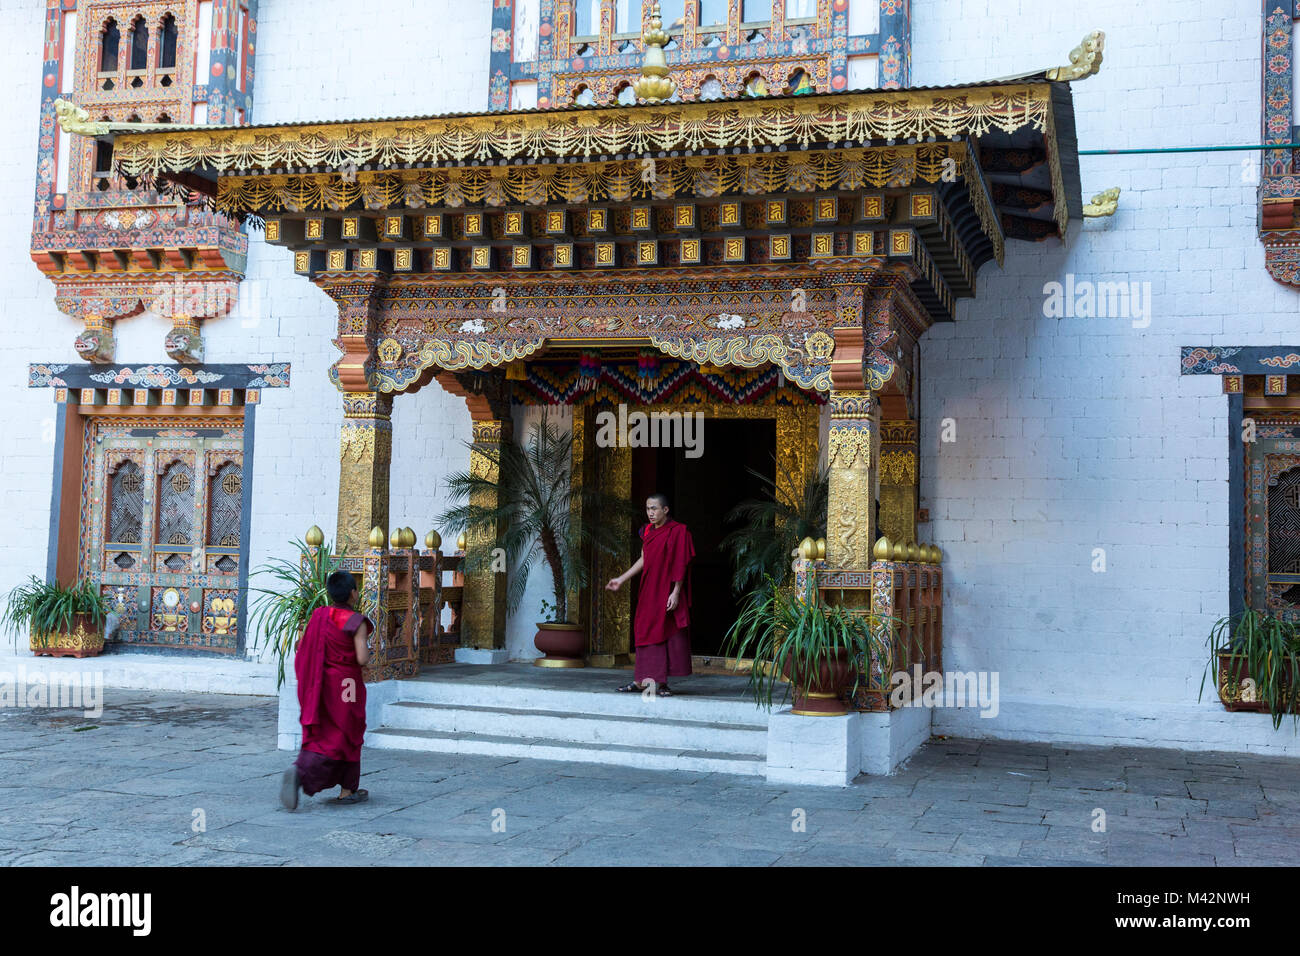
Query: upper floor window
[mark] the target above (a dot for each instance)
(108, 44)
(586, 18)
(800, 9)
(167, 46)
(756, 11)
(673, 13)
(139, 45)
(627, 16)
(713, 13)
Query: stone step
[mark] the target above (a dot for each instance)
(605, 701)
(634, 730)
(543, 748)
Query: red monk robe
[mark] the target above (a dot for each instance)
(332, 694)
(663, 641)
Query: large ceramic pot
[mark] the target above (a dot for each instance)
(826, 689)
(563, 645)
(85, 639)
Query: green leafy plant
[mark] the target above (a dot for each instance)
(1269, 649)
(46, 609)
(296, 588)
(524, 504)
(793, 634)
(772, 527)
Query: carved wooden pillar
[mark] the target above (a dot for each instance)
(485, 590)
(365, 454)
(898, 474)
(366, 439)
(854, 439)
(483, 610)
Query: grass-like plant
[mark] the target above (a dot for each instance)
(1270, 648)
(794, 634)
(530, 514)
(47, 609)
(296, 588)
(771, 527)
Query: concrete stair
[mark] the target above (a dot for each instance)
(545, 719)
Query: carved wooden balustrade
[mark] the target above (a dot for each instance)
(403, 590)
(905, 583)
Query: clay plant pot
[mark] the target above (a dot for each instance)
(826, 689)
(563, 645)
(84, 640)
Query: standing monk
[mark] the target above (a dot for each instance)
(332, 694)
(663, 609)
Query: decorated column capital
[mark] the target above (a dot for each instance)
(359, 314)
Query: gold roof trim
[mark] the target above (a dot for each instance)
(793, 122)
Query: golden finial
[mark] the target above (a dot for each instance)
(1102, 204)
(655, 85)
(1085, 59)
(433, 541)
(898, 552)
(315, 537)
(938, 554)
(460, 542)
(821, 549)
(883, 548)
(808, 549)
(377, 537)
(911, 551)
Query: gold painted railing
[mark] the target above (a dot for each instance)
(405, 592)
(905, 582)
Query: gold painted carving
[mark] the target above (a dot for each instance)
(706, 177)
(1085, 59)
(1103, 204)
(897, 467)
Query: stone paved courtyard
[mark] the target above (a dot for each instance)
(176, 779)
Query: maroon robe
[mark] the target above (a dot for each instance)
(667, 552)
(333, 713)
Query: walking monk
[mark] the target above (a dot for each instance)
(332, 694)
(663, 609)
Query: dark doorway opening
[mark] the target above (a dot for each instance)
(701, 491)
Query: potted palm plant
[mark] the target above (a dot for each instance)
(63, 622)
(771, 527)
(296, 588)
(822, 650)
(1254, 662)
(526, 502)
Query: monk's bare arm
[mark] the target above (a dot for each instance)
(363, 650)
(616, 583)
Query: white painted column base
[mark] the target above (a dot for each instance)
(889, 739)
(482, 655)
(816, 751)
(832, 751)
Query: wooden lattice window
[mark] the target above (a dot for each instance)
(126, 504)
(1284, 530)
(225, 506)
(176, 505)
